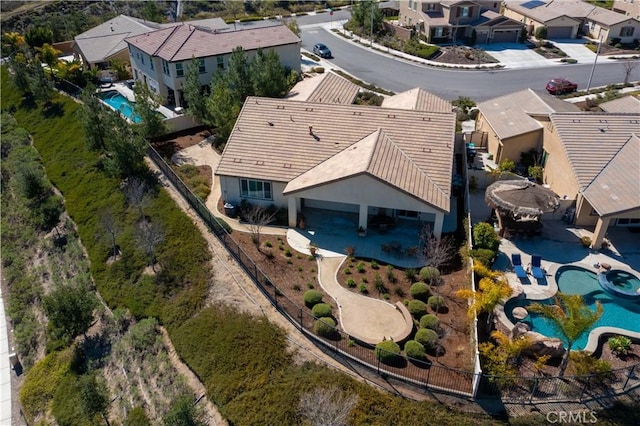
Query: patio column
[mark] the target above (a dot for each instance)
(598, 234)
(437, 226)
(364, 213)
(292, 209)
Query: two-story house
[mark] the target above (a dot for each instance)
(160, 58)
(449, 21)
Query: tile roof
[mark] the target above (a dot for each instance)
(329, 88)
(511, 115)
(107, 39)
(616, 188)
(182, 42)
(546, 10)
(280, 139)
(378, 156)
(591, 140)
(417, 99)
(624, 104)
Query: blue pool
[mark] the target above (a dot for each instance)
(618, 311)
(118, 102)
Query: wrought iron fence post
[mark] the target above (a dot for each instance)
(275, 296)
(534, 390)
(585, 387)
(628, 377)
(429, 374)
(301, 325)
(378, 364)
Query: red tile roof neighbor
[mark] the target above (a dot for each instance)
(182, 42)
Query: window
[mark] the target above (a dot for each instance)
(438, 32)
(464, 11)
(165, 67)
(220, 60)
(142, 59)
(431, 6)
(151, 63)
(626, 31)
(409, 214)
(255, 189)
(201, 68)
(179, 70)
(544, 159)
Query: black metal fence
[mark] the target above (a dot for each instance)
(425, 375)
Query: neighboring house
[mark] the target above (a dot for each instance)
(629, 8)
(328, 88)
(514, 123)
(365, 160)
(624, 104)
(571, 18)
(105, 42)
(443, 21)
(417, 99)
(594, 159)
(160, 58)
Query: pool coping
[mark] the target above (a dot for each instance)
(594, 335)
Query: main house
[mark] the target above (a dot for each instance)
(365, 160)
(104, 43)
(443, 21)
(591, 160)
(160, 58)
(570, 18)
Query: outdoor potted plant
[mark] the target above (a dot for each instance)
(362, 231)
(313, 248)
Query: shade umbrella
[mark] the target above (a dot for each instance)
(520, 199)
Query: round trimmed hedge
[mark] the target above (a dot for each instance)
(436, 303)
(429, 274)
(325, 327)
(312, 298)
(420, 291)
(321, 310)
(429, 321)
(417, 308)
(427, 337)
(387, 351)
(414, 349)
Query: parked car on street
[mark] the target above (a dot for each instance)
(558, 86)
(322, 50)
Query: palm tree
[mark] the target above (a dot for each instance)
(571, 317)
(49, 55)
(493, 289)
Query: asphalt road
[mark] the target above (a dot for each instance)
(399, 75)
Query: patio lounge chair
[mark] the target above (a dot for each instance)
(516, 261)
(536, 267)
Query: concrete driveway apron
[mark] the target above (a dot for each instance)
(516, 55)
(576, 49)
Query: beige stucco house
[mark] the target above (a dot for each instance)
(160, 58)
(365, 160)
(627, 7)
(571, 18)
(454, 20)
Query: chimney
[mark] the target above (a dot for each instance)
(311, 130)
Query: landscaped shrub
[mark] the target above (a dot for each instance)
(363, 289)
(429, 274)
(620, 345)
(484, 236)
(414, 349)
(417, 308)
(420, 291)
(541, 32)
(427, 337)
(351, 283)
(387, 351)
(321, 310)
(436, 303)
(585, 241)
(415, 48)
(325, 327)
(585, 364)
(429, 321)
(312, 298)
(482, 255)
(391, 275)
(374, 264)
(360, 268)
(411, 274)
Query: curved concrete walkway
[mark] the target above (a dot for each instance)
(364, 318)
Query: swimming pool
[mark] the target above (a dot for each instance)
(618, 312)
(117, 101)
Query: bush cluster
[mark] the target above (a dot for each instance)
(414, 349)
(436, 303)
(427, 337)
(312, 298)
(387, 351)
(325, 327)
(420, 291)
(430, 275)
(321, 310)
(417, 308)
(429, 321)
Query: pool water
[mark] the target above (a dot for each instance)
(624, 281)
(118, 102)
(617, 311)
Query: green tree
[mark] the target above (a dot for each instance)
(38, 36)
(152, 12)
(193, 93)
(484, 236)
(96, 119)
(70, 310)
(239, 79)
(571, 317)
(147, 102)
(137, 417)
(292, 24)
(268, 76)
(49, 55)
(501, 359)
(183, 413)
(125, 150)
(223, 107)
(19, 64)
(94, 396)
(493, 289)
(39, 85)
(506, 165)
(234, 9)
(362, 16)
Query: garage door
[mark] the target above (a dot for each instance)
(559, 33)
(481, 38)
(505, 37)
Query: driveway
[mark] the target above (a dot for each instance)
(576, 49)
(516, 55)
